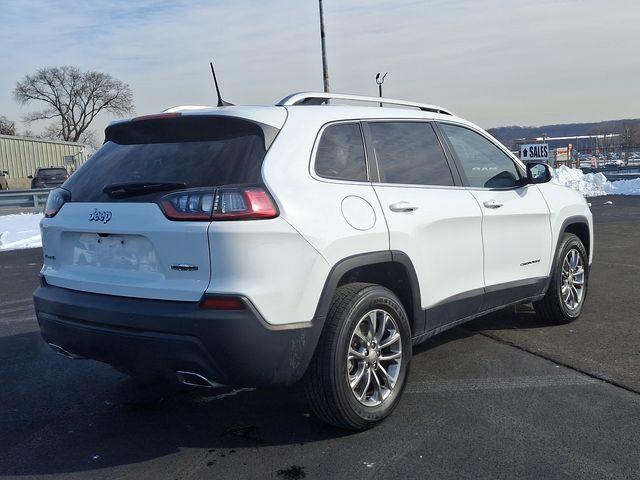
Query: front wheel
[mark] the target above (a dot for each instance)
(567, 291)
(360, 367)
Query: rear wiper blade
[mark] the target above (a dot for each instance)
(131, 189)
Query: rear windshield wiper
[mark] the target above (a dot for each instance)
(132, 189)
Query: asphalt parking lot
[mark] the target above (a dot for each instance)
(505, 396)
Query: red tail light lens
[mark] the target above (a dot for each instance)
(236, 203)
(243, 204)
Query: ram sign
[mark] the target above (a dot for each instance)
(534, 152)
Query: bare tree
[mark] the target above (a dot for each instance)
(7, 127)
(629, 131)
(73, 97)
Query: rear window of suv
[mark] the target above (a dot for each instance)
(51, 172)
(199, 151)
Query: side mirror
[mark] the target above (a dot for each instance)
(4, 172)
(538, 173)
(30, 176)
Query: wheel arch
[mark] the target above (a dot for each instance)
(577, 225)
(391, 269)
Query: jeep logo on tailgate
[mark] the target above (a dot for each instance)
(100, 216)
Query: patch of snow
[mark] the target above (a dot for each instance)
(20, 231)
(624, 187)
(594, 184)
(589, 185)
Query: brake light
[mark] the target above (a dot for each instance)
(221, 303)
(243, 204)
(234, 203)
(156, 116)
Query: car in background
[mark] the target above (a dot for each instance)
(49, 177)
(4, 185)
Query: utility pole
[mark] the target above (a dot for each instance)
(325, 71)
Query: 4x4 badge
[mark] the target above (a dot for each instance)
(100, 216)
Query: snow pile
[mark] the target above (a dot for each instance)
(594, 184)
(623, 187)
(20, 231)
(589, 185)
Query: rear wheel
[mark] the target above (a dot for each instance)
(359, 369)
(567, 291)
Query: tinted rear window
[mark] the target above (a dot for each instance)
(199, 151)
(51, 172)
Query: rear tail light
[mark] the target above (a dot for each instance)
(243, 204)
(189, 205)
(234, 203)
(56, 199)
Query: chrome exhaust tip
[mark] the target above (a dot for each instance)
(196, 380)
(61, 351)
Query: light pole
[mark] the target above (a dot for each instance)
(380, 81)
(325, 71)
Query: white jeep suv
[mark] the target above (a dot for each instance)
(256, 246)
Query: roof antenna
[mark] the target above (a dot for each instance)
(221, 102)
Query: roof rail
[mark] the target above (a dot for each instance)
(318, 98)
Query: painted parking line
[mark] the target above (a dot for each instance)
(471, 385)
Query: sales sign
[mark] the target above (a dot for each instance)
(534, 152)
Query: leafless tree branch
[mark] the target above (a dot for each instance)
(73, 97)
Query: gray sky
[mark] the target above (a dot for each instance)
(494, 62)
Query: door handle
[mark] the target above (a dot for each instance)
(492, 204)
(402, 207)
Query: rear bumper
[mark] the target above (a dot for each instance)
(234, 348)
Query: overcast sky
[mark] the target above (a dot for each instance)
(494, 62)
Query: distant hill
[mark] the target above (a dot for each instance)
(507, 135)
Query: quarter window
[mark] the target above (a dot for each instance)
(340, 153)
(409, 153)
(483, 163)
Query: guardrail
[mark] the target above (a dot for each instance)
(24, 198)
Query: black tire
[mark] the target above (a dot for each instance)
(326, 382)
(554, 306)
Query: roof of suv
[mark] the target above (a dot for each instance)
(306, 105)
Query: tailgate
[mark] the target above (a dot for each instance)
(125, 249)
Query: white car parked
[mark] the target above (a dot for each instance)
(256, 246)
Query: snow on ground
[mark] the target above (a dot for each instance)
(594, 184)
(23, 230)
(20, 231)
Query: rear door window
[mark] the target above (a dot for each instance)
(409, 153)
(197, 151)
